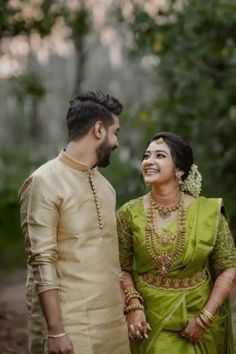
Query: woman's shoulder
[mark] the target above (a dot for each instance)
(210, 203)
(204, 199)
(131, 205)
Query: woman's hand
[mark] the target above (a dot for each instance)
(138, 327)
(192, 332)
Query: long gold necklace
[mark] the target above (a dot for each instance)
(161, 245)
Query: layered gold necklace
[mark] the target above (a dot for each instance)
(165, 247)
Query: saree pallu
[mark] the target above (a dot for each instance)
(171, 301)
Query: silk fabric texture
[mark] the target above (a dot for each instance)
(67, 251)
(168, 310)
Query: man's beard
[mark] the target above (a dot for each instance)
(103, 152)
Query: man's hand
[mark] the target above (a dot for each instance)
(62, 345)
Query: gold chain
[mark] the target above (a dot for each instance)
(154, 238)
(100, 223)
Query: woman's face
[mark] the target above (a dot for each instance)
(158, 166)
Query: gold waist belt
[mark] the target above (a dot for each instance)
(164, 282)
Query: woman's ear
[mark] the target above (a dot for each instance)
(178, 172)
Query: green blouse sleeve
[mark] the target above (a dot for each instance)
(224, 254)
(124, 231)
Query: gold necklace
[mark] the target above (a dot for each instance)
(164, 211)
(157, 240)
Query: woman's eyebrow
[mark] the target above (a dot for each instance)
(158, 150)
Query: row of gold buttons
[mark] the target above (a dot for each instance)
(100, 223)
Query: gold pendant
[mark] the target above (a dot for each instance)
(164, 214)
(167, 239)
(164, 260)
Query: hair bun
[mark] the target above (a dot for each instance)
(193, 183)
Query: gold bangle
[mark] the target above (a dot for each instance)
(133, 307)
(200, 323)
(130, 290)
(205, 319)
(208, 314)
(134, 296)
(56, 335)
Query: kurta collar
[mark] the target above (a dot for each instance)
(70, 161)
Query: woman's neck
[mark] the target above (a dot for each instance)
(166, 195)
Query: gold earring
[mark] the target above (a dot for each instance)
(179, 180)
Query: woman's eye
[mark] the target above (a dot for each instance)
(145, 156)
(161, 156)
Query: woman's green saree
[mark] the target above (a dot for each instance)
(182, 294)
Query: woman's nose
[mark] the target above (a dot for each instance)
(149, 159)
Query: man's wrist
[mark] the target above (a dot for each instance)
(55, 328)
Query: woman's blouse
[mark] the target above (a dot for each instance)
(223, 255)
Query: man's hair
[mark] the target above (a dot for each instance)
(85, 110)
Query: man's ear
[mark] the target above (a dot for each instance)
(99, 130)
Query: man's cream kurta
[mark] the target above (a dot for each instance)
(67, 251)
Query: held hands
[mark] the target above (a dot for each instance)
(60, 345)
(138, 328)
(192, 332)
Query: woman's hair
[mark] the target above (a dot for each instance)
(180, 149)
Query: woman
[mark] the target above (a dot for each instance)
(178, 258)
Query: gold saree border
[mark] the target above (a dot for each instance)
(175, 284)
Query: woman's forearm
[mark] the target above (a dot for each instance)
(128, 283)
(221, 290)
(127, 280)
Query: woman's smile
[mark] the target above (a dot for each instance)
(150, 171)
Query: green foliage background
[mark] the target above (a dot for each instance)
(193, 52)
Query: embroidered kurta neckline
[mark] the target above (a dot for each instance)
(76, 164)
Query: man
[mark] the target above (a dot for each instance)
(68, 219)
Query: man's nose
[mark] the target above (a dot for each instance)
(116, 145)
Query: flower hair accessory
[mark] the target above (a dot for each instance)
(192, 184)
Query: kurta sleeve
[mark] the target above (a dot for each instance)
(124, 231)
(224, 254)
(39, 221)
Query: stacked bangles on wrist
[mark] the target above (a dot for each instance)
(205, 319)
(132, 293)
(132, 308)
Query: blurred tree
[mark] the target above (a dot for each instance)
(194, 43)
(80, 24)
(25, 18)
(26, 88)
